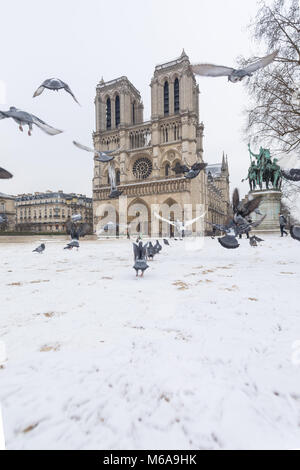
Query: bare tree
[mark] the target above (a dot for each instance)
(275, 116)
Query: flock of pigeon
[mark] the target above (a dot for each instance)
(239, 223)
(23, 118)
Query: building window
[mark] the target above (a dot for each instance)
(176, 96)
(108, 113)
(118, 177)
(117, 110)
(166, 98)
(167, 169)
(133, 112)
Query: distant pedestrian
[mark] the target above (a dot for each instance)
(282, 223)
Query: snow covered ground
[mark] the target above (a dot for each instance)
(197, 355)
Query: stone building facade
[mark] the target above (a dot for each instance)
(8, 212)
(149, 150)
(49, 211)
(218, 191)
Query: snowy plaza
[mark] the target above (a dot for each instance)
(201, 353)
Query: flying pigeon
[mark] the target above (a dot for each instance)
(244, 210)
(295, 232)
(291, 175)
(77, 231)
(72, 244)
(189, 173)
(180, 226)
(140, 253)
(4, 174)
(26, 119)
(54, 84)
(234, 75)
(76, 217)
(239, 223)
(166, 242)
(102, 157)
(39, 249)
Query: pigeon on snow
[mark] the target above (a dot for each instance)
(40, 248)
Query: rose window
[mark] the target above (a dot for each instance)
(142, 168)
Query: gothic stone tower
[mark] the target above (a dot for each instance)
(149, 150)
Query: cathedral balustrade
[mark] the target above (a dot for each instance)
(146, 188)
(140, 136)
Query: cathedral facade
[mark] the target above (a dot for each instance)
(148, 151)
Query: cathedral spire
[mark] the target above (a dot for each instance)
(223, 162)
(184, 55)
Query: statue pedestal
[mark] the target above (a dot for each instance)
(270, 206)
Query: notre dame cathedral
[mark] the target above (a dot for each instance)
(150, 150)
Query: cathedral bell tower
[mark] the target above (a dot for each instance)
(175, 93)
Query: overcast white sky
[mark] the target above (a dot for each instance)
(81, 41)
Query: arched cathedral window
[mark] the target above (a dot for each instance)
(117, 177)
(167, 169)
(108, 113)
(166, 98)
(117, 110)
(133, 112)
(176, 96)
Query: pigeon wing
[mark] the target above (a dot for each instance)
(3, 115)
(83, 147)
(69, 226)
(229, 242)
(185, 169)
(211, 70)
(291, 175)
(83, 230)
(135, 250)
(164, 220)
(250, 206)
(259, 64)
(258, 239)
(39, 91)
(68, 90)
(295, 232)
(190, 222)
(45, 127)
(4, 174)
(199, 166)
(102, 157)
(258, 222)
